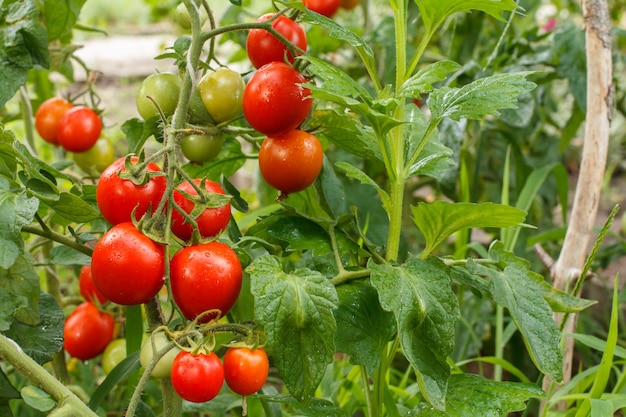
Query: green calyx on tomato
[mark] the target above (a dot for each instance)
(160, 89)
(201, 148)
(221, 92)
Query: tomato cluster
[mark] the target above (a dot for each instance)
(75, 128)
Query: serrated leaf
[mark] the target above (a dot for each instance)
(355, 173)
(64, 255)
(293, 233)
(440, 219)
(472, 395)
(73, 208)
(46, 337)
(363, 327)
(517, 289)
(316, 407)
(9, 304)
(22, 280)
(16, 211)
(479, 98)
(336, 79)
(137, 131)
(296, 311)
(426, 311)
(435, 12)
(422, 81)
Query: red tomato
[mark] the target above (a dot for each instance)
(79, 129)
(127, 266)
(117, 197)
(245, 370)
(263, 47)
(48, 116)
(205, 277)
(274, 102)
(87, 288)
(349, 4)
(197, 378)
(211, 221)
(325, 7)
(291, 162)
(87, 331)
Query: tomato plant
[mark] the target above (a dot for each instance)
(117, 197)
(156, 342)
(114, 353)
(160, 89)
(201, 148)
(292, 161)
(245, 370)
(349, 4)
(324, 7)
(48, 116)
(211, 221)
(79, 129)
(205, 277)
(221, 92)
(274, 100)
(127, 266)
(182, 17)
(97, 158)
(87, 288)
(263, 47)
(87, 331)
(197, 377)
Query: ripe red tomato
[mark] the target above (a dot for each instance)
(263, 47)
(211, 222)
(87, 288)
(205, 277)
(48, 116)
(197, 378)
(117, 197)
(291, 162)
(325, 7)
(274, 102)
(79, 129)
(87, 331)
(245, 370)
(127, 266)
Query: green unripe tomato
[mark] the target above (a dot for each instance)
(147, 352)
(181, 15)
(221, 92)
(164, 88)
(114, 353)
(201, 148)
(197, 112)
(97, 158)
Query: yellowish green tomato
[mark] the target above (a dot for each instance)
(153, 345)
(181, 15)
(114, 353)
(163, 88)
(97, 158)
(221, 92)
(201, 148)
(197, 113)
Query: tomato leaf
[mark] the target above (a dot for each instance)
(316, 407)
(60, 17)
(363, 327)
(333, 76)
(22, 281)
(296, 310)
(488, 398)
(426, 310)
(73, 208)
(440, 219)
(570, 48)
(515, 288)
(479, 98)
(16, 211)
(353, 172)
(293, 233)
(123, 369)
(422, 81)
(37, 398)
(64, 255)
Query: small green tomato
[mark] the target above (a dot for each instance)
(147, 352)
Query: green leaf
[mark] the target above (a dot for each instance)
(123, 369)
(353, 172)
(293, 233)
(517, 289)
(598, 344)
(73, 208)
(426, 310)
(137, 131)
(37, 398)
(60, 17)
(440, 219)
(479, 98)
(296, 310)
(435, 12)
(335, 79)
(22, 281)
(363, 327)
(422, 81)
(46, 337)
(16, 211)
(7, 390)
(63, 255)
(472, 395)
(316, 407)
(569, 43)
(9, 304)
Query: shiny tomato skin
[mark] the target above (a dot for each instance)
(263, 47)
(221, 92)
(114, 353)
(324, 7)
(87, 288)
(153, 345)
(97, 158)
(79, 129)
(291, 162)
(205, 277)
(211, 222)
(117, 197)
(163, 88)
(245, 370)
(48, 116)
(274, 102)
(201, 148)
(197, 378)
(127, 267)
(87, 331)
